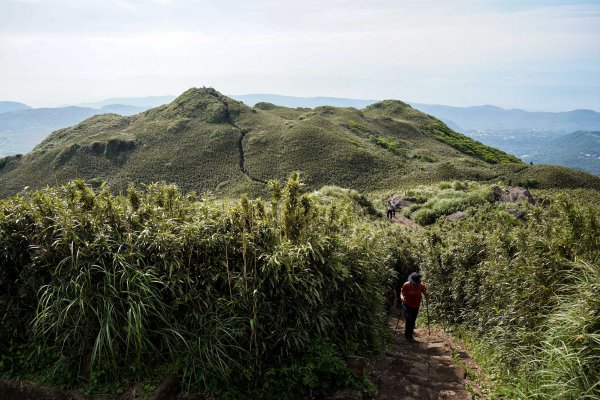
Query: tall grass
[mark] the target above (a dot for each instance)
(265, 298)
(529, 289)
(225, 294)
(568, 365)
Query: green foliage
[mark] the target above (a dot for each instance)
(388, 143)
(528, 289)
(469, 146)
(357, 202)
(357, 126)
(226, 294)
(425, 216)
(321, 367)
(568, 362)
(444, 199)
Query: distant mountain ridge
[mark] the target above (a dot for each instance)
(496, 118)
(8, 106)
(539, 137)
(580, 149)
(142, 102)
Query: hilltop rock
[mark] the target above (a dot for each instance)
(514, 194)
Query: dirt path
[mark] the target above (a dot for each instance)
(420, 371)
(409, 223)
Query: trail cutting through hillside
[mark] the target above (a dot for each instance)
(241, 147)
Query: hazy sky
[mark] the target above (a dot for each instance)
(532, 54)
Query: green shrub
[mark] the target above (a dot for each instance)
(469, 146)
(568, 361)
(388, 143)
(425, 216)
(445, 201)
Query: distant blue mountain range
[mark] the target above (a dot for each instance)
(308, 102)
(496, 118)
(8, 106)
(142, 102)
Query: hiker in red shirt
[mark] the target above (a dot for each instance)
(411, 300)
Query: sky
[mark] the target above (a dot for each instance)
(530, 54)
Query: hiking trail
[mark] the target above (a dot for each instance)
(240, 145)
(409, 223)
(424, 370)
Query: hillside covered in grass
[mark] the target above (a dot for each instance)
(206, 142)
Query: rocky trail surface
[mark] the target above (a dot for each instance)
(409, 223)
(423, 370)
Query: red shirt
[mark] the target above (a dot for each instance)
(412, 294)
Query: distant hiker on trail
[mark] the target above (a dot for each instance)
(410, 294)
(391, 209)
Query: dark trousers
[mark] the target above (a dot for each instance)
(410, 314)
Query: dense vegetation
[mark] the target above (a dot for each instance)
(468, 146)
(267, 298)
(433, 202)
(245, 298)
(528, 292)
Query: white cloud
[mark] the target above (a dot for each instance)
(415, 50)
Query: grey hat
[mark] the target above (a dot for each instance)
(415, 277)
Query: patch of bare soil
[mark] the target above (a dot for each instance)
(25, 390)
(409, 223)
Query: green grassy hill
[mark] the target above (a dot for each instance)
(204, 141)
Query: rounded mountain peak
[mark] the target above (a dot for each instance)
(204, 103)
(390, 105)
(398, 109)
